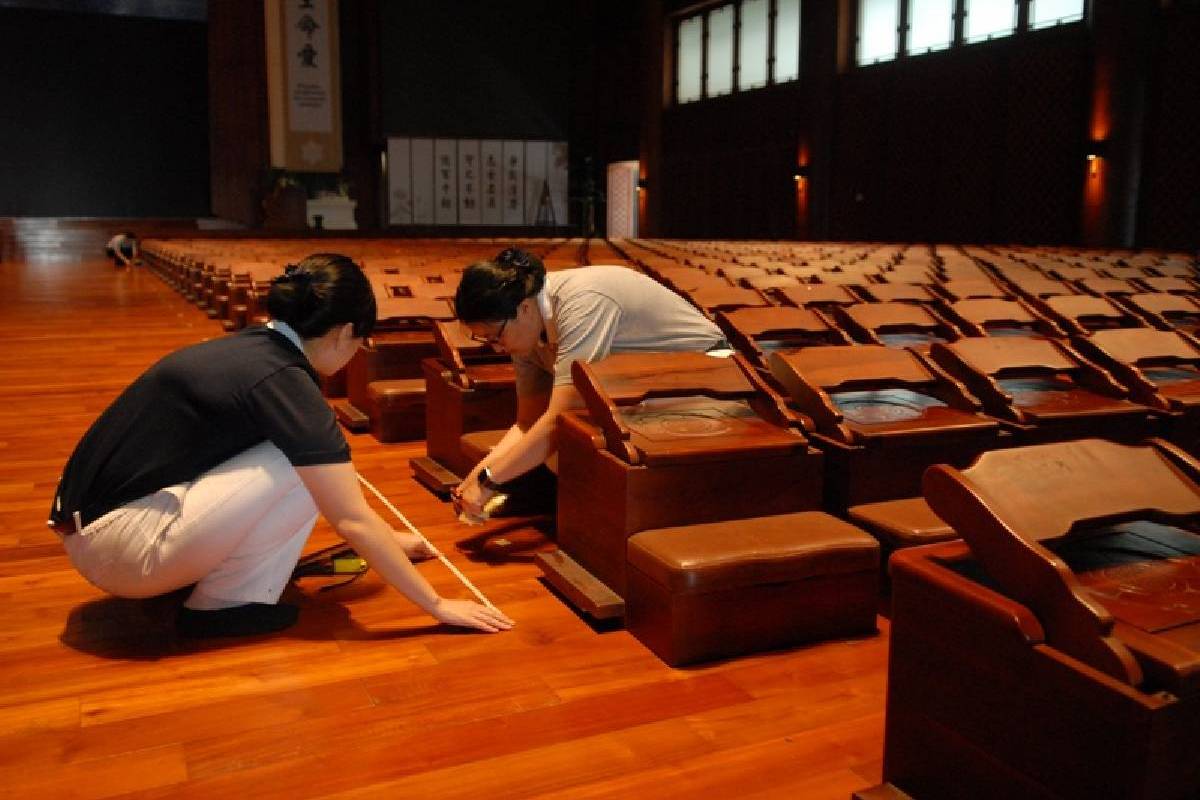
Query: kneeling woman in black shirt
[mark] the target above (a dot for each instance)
(211, 467)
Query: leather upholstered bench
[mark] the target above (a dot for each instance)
(399, 409)
(713, 590)
(907, 522)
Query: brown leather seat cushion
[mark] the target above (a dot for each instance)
(478, 444)
(399, 392)
(902, 523)
(745, 552)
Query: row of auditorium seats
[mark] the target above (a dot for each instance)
(382, 389)
(1053, 651)
(875, 390)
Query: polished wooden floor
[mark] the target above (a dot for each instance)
(364, 697)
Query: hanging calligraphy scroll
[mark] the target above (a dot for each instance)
(303, 97)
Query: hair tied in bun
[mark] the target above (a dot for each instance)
(294, 274)
(514, 257)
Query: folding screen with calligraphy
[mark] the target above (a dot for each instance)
(514, 183)
(303, 97)
(477, 182)
(491, 156)
(468, 182)
(445, 182)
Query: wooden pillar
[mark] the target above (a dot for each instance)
(363, 141)
(1122, 35)
(656, 89)
(237, 99)
(822, 37)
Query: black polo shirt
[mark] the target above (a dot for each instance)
(191, 411)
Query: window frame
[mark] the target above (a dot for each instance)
(736, 48)
(1023, 28)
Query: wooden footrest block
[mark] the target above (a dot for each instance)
(351, 417)
(433, 475)
(580, 587)
(884, 791)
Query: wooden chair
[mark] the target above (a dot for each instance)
(989, 317)
(403, 338)
(896, 324)
(766, 282)
(898, 293)
(816, 295)
(1039, 287)
(882, 415)
(956, 290)
(974, 681)
(469, 388)
(711, 299)
(669, 439)
(1161, 369)
(1166, 311)
(1107, 287)
(1170, 285)
(1029, 513)
(1173, 270)
(1044, 389)
(758, 332)
(1078, 315)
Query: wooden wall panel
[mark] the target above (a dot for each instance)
(239, 135)
(728, 163)
(980, 143)
(1170, 198)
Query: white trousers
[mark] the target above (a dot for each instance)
(236, 532)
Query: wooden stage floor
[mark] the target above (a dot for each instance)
(365, 697)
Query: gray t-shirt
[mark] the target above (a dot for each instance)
(591, 312)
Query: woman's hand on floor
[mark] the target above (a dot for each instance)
(470, 614)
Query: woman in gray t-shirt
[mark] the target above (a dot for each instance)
(546, 322)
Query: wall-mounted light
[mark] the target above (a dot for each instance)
(800, 173)
(641, 184)
(1097, 149)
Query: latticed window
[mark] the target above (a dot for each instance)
(888, 29)
(736, 47)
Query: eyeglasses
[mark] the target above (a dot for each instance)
(495, 339)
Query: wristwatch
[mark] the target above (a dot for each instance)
(485, 480)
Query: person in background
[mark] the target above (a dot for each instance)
(211, 467)
(549, 321)
(123, 249)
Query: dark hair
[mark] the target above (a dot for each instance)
(490, 291)
(321, 292)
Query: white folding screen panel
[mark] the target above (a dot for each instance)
(445, 185)
(538, 208)
(399, 166)
(468, 182)
(514, 183)
(491, 157)
(422, 182)
(557, 167)
(477, 182)
(622, 200)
